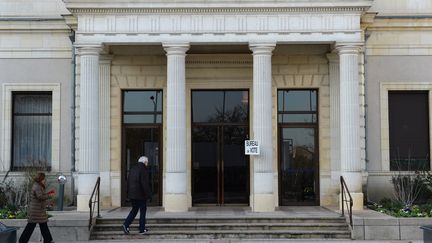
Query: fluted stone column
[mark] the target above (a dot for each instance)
(88, 165)
(104, 135)
(176, 197)
(334, 118)
(351, 167)
(262, 194)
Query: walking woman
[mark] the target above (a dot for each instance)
(37, 211)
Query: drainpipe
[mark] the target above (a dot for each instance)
(73, 66)
(366, 37)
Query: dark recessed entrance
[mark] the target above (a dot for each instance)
(220, 169)
(142, 136)
(298, 147)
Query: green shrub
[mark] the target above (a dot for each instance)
(397, 209)
(11, 212)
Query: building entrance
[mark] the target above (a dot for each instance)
(298, 147)
(220, 169)
(142, 136)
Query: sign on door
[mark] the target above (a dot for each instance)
(252, 147)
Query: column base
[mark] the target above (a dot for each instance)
(357, 201)
(105, 190)
(115, 189)
(263, 203)
(176, 203)
(83, 203)
(86, 184)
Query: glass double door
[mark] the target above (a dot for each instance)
(220, 168)
(143, 141)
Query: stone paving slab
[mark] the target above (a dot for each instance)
(241, 241)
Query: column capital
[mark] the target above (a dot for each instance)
(105, 59)
(333, 57)
(88, 49)
(348, 47)
(176, 48)
(262, 48)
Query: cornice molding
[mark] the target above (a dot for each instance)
(207, 4)
(401, 24)
(101, 10)
(57, 25)
(71, 21)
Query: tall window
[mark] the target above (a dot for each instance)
(409, 130)
(298, 147)
(31, 126)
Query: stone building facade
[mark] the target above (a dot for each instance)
(187, 82)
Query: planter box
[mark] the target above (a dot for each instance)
(389, 228)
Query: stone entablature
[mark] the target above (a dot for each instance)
(211, 22)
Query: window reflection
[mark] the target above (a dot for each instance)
(220, 106)
(142, 107)
(297, 106)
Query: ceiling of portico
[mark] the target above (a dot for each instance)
(150, 50)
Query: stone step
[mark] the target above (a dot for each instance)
(224, 220)
(224, 234)
(230, 226)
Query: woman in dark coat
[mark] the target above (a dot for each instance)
(37, 211)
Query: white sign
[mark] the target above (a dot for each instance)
(252, 147)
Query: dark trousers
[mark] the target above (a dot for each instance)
(25, 236)
(142, 206)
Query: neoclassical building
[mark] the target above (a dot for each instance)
(328, 89)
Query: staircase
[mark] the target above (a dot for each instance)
(226, 228)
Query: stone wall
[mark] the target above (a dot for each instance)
(398, 53)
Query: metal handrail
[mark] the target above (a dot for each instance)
(93, 202)
(345, 200)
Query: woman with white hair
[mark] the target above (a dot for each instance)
(138, 191)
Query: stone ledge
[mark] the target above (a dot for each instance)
(388, 228)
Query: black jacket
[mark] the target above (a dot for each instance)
(138, 183)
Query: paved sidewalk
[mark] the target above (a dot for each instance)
(241, 241)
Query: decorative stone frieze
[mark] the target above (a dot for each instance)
(199, 22)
